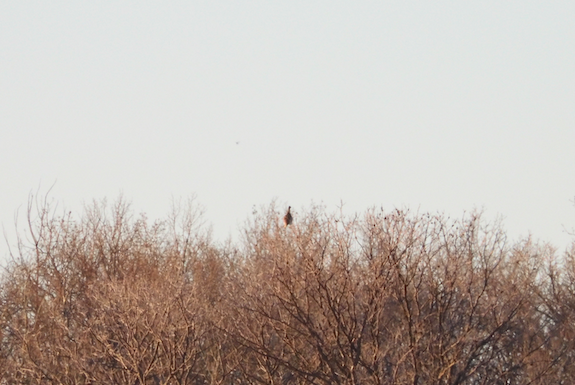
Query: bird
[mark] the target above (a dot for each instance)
(288, 219)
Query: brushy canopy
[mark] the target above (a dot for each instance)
(383, 298)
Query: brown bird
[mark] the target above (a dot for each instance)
(288, 219)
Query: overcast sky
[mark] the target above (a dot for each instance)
(434, 105)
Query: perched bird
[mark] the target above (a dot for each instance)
(288, 218)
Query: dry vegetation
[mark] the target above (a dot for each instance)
(387, 298)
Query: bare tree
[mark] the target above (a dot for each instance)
(391, 299)
(386, 298)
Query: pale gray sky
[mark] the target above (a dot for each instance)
(435, 105)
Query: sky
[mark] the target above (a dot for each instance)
(439, 106)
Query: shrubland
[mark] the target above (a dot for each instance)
(378, 298)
